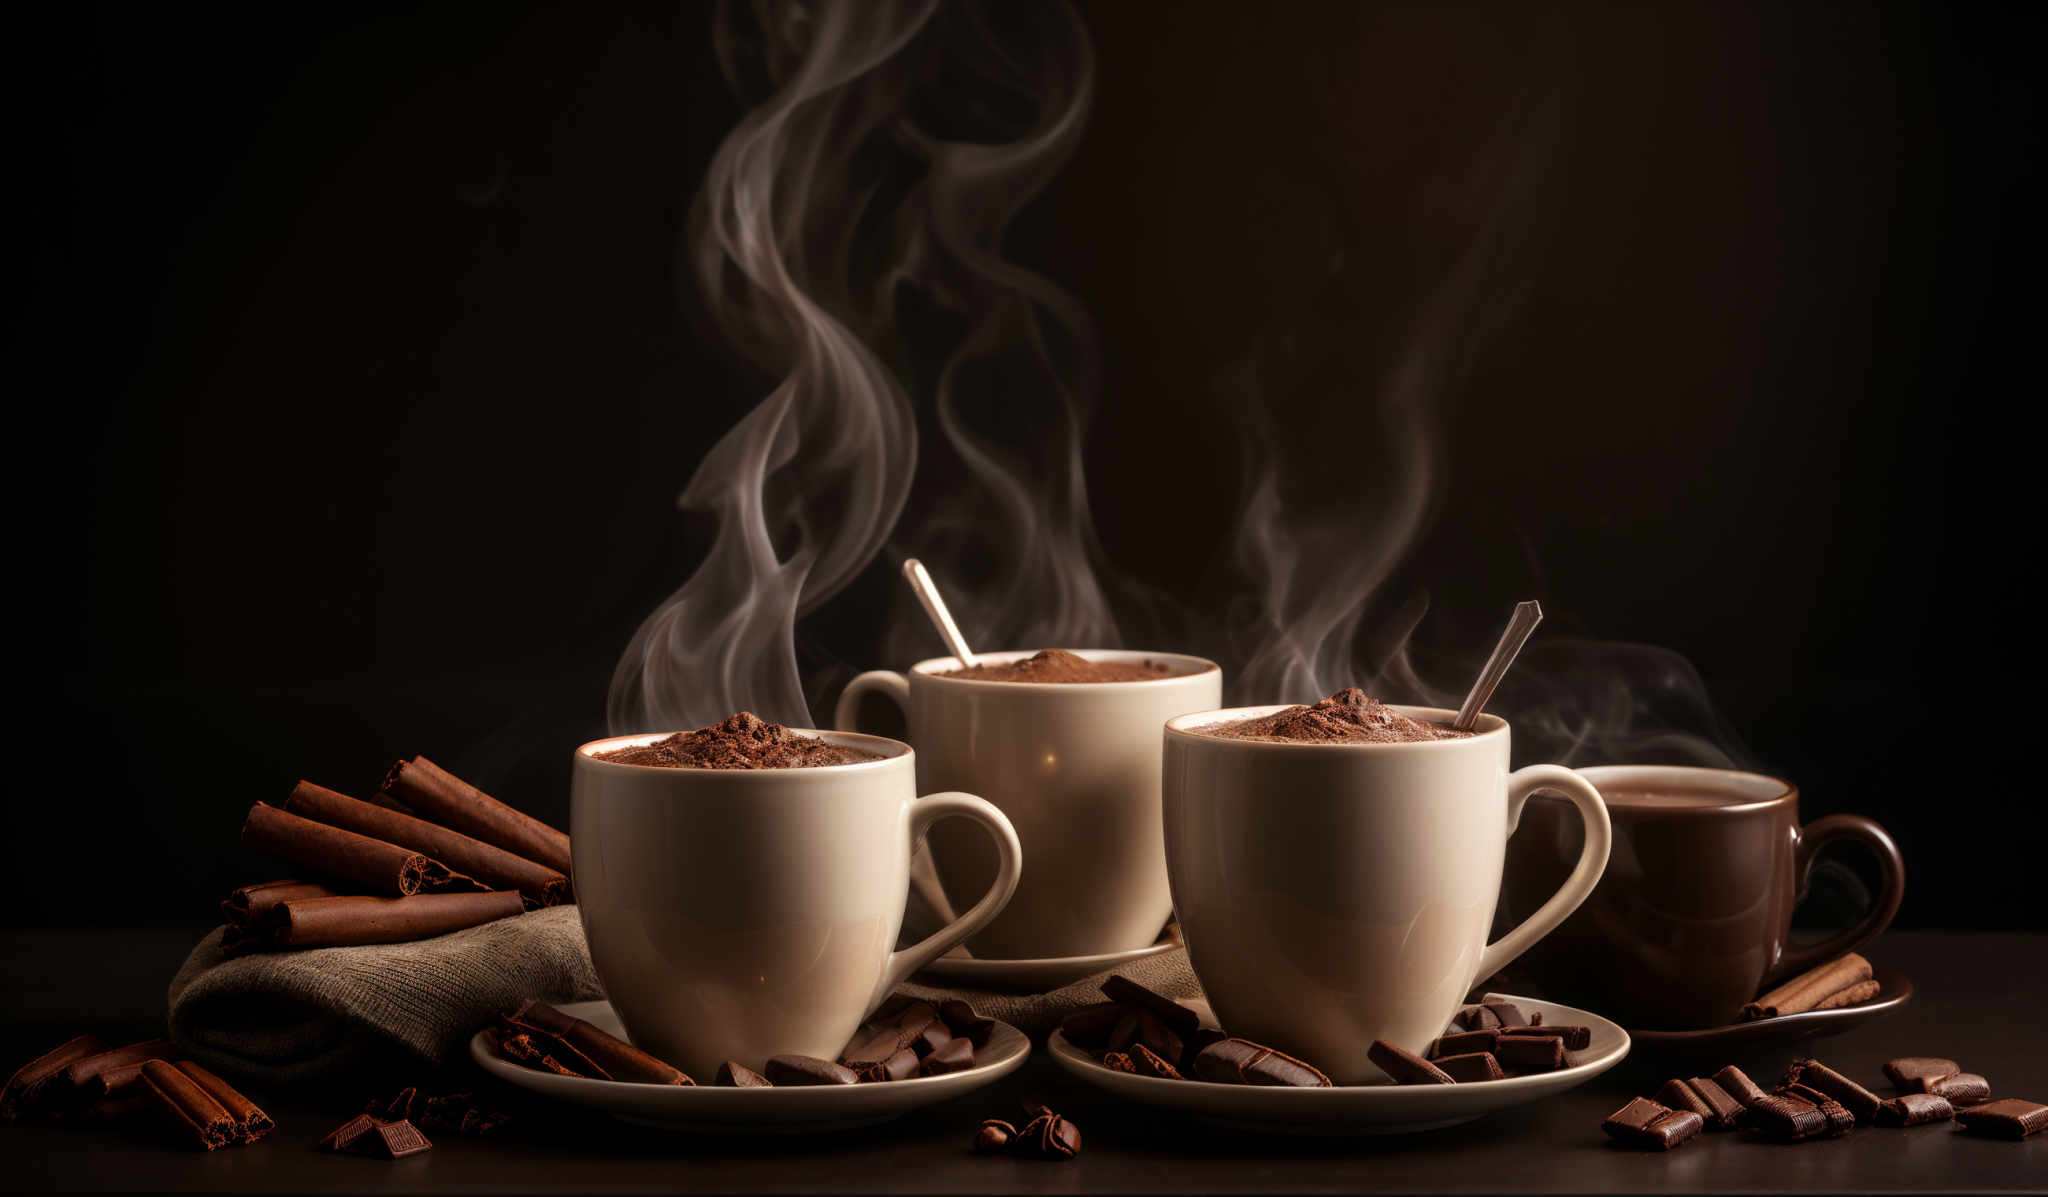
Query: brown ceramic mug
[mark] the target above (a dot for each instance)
(1692, 916)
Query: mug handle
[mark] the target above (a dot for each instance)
(895, 685)
(1010, 863)
(1592, 859)
(1812, 838)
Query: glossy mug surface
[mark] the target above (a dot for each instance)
(1332, 894)
(1075, 766)
(1692, 917)
(736, 914)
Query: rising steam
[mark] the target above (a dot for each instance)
(853, 218)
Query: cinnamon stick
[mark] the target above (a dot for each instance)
(605, 1057)
(1809, 989)
(251, 1123)
(1862, 991)
(376, 864)
(361, 919)
(251, 901)
(182, 1107)
(87, 1080)
(24, 1092)
(488, 863)
(434, 793)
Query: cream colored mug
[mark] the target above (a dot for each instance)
(1075, 766)
(737, 914)
(1332, 894)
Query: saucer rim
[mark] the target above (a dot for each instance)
(1894, 989)
(965, 967)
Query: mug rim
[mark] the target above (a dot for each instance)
(1787, 792)
(925, 668)
(895, 754)
(1486, 729)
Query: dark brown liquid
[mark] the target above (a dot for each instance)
(1667, 797)
(1060, 667)
(1346, 717)
(742, 741)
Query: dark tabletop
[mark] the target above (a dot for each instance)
(1978, 1001)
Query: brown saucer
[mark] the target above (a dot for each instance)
(1893, 991)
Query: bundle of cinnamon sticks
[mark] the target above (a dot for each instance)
(427, 855)
(1843, 981)
(84, 1080)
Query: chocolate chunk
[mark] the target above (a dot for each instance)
(1119, 1062)
(1738, 1086)
(1193, 1044)
(739, 1076)
(2006, 1118)
(1048, 1137)
(992, 1136)
(1912, 1074)
(966, 1022)
(1576, 1039)
(1786, 1119)
(1125, 1032)
(954, 1055)
(1678, 1095)
(1914, 1109)
(1088, 1028)
(1155, 1035)
(1146, 1062)
(1242, 1062)
(891, 1032)
(899, 1067)
(343, 1137)
(1726, 1112)
(1460, 1044)
(1165, 1009)
(1860, 1101)
(1475, 1018)
(935, 1035)
(1962, 1089)
(1529, 1053)
(1646, 1124)
(1470, 1066)
(807, 1070)
(1405, 1067)
(1840, 1120)
(390, 1141)
(1506, 1014)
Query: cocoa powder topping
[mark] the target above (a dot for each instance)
(1060, 666)
(742, 741)
(1346, 717)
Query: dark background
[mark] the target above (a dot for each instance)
(353, 380)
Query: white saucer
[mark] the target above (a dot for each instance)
(1379, 1109)
(785, 1109)
(1037, 976)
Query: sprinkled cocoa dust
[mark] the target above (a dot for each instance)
(742, 741)
(1346, 717)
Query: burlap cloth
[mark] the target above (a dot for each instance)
(290, 1017)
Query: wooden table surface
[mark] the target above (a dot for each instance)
(1978, 1000)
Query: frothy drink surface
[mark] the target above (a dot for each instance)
(1057, 665)
(1346, 717)
(742, 741)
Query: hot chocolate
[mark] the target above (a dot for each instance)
(742, 741)
(1346, 717)
(1056, 665)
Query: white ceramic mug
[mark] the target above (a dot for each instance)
(1076, 767)
(1332, 894)
(737, 914)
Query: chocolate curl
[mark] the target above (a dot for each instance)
(611, 1057)
(381, 866)
(1810, 989)
(347, 921)
(492, 865)
(89, 1079)
(182, 1107)
(252, 901)
(24, 1091)
(434, 793)
(251, 1123)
